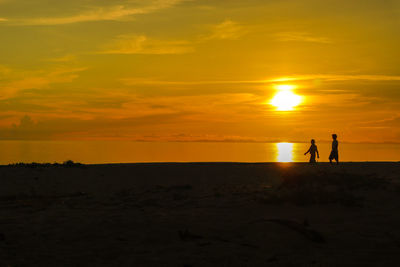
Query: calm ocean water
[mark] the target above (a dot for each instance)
(128, 152)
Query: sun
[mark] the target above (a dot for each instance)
(285, 99)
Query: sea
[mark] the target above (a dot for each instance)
(100, 152)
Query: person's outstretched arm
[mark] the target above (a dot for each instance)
(307, 151)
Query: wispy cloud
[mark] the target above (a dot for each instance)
(141, 44)
(301, 37)
(227, 30)
(19, 80)
(140, 81)
(393, 121)
(63, 59)
(117, 12)
(311, 77)
(339, 77)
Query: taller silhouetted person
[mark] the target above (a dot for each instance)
(334, 153)
(312, 150)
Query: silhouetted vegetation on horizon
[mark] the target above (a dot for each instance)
(68, 163)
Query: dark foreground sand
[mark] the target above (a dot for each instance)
(210, 214)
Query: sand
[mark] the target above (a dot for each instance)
(200, 214)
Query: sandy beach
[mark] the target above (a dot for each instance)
(200, 214)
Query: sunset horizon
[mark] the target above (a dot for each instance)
(180, 70)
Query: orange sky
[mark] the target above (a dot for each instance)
(188, 70)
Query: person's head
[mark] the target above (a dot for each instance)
(312, 141)
(334, 136)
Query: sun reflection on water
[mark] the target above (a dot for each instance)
(284, 152)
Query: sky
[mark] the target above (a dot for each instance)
(199, 70)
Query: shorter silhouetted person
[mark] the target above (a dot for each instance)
(313, 150)
(334, 153)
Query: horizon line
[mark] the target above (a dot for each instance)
(193, 141)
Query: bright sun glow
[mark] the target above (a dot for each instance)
(285, 99)
(285, 87)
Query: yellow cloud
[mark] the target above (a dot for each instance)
(311, 77)
(117, 12)
(140, 81)
(18, 81)
(66, 58)
(227, 30)
(141, 44)
(301, 37)
(339, 77)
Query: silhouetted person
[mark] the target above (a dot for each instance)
(312, 150)
(334, 153)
